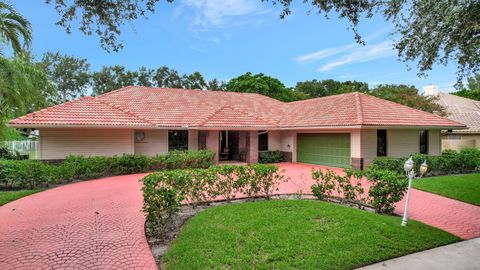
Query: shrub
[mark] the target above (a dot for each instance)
(449, 162)
(228, 184)
(348, 187)
(162, 197)
(15, 174)
(30, 173)
(388, 188)
(270, 156)
(79, 167)
(325, 183)
(5, 153)
(164, 191)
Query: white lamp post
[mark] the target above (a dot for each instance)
(409, 171)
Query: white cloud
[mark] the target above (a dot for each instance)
(361, 54)
(324, 53)
(219, 13)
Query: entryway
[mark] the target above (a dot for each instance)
(229, 146)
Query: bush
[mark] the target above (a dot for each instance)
(325, 183)
(388, 188)
(5, 153)
(450, 162)
(26, 174)
(270, 156)
(163, 192)
(33, 173)
(347, 187)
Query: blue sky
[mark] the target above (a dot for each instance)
(226, 38)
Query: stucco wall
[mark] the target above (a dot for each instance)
(155, 143)
(274, 140)
(402, 142)
(59, 143)
(467, 140)
(369, 145)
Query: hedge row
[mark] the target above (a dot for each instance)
(164, 192)
(270, 156)
(15, 174)
(450, 162)
(386, 187)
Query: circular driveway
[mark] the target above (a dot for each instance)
(95, 224)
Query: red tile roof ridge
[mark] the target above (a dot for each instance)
(210, 115)
(115, 91)
(123, 110)
(318, 98)
(358, 103)
(234, 109)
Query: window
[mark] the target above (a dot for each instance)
(454, 136)
(381, 143)
(177, 140)
(263, 141)
(423, 141)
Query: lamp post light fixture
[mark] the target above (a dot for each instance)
(410, 172)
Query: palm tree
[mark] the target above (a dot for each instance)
(14, 28)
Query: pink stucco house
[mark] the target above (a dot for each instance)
(343, 130)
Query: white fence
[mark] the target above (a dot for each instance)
(29, 148)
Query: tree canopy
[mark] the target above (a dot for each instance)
(429, 32)
(265, 85)
(473, 88)
(408, 96)
(69, 75)
(24, 87)
(329, 87)
(15, 30)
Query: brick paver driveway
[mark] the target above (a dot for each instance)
(96, 224)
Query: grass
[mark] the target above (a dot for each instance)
(295, 234)
(465, 188)
(8, 196)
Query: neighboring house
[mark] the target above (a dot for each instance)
(462, 110)
(343, 130)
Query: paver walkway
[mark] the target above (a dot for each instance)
(98, 224)
(95, 224)
(463, 255)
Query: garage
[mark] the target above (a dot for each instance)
(331, 149)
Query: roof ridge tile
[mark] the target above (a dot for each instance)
(358, 104)
(123, 110)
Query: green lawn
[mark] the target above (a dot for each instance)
(295, 234)
(8, 196)
(464, 188)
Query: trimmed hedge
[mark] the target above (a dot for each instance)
(16, 174)
(387, 187)
(466, 160)
(270, 156)
(164, 192)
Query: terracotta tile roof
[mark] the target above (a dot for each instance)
(86, 111)
(462, 110)
(157, 108)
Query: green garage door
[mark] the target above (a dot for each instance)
(331, 149)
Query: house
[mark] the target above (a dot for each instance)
(343, 130)
(462, 110)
